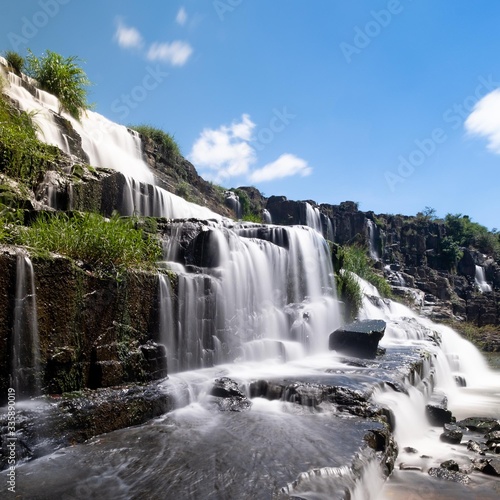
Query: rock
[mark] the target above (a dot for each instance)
(452, 437)
(450, 465)
(403, 466)
(492, 439)
(480, 424)
(438, 414)
(231, 398)
(479, 463)
(475, 447)
(226, 388)
(409, 449)
(456, 477)
(358, 339)
(492, 467)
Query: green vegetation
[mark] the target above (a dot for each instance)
(249, 212)
(106, 246)
(15, 61)
(354, 259)
(158, 136)
(257, 218)
(22, 155)
(62, 77)
(464, 233)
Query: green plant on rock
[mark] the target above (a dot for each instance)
(158, 136)
(62, 77)
(15, 61)
(22, 155)
(106, 246)
(349, 292)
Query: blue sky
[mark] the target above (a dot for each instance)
(390, 103)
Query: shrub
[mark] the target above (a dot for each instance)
(253, 218)
(108, 247)
(62, 77)
(15, 61)
(163, 139)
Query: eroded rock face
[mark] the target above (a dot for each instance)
(359, 339)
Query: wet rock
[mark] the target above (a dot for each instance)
(450, 465)
(403, 466)
(437, 414)
(492, 439)
(358, 339)
(231, 398)
(226, 388)
(456, 477)
(452, 437)
(480, 424)
(492, 467)
(479, 463)
(409, 449)
(475, 447)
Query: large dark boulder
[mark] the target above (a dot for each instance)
(359, 339)
(438, 414)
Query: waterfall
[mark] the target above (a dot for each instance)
(266, 217)
(374, 254)
(264, 292)
(313, 218)
(481, 280)
(26, 368)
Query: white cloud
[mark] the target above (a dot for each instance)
(181, 16)
(225, 151)
(128, 37)
(176, 53)
(484, 121)
(285, 166)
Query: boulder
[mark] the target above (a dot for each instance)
(492, 467)
(359, 339)
(479, 424)
(450, 465)
(230, 397)
(456, 477)
(438, 414)
(475, 447)
(452, 437)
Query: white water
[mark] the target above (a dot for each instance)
(26, 368)
(313, 218)
(374, 254)
(481, 282)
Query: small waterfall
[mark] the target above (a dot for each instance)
(313, 218)
(26, 368)
(374, 254)
(266, 217)
(481, 282)
(232, 201)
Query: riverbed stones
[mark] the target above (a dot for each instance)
(442, 473)
(229, 395)
(450, 465)
(452, 436)
(479, 424)
(359, 338)
(438, 414)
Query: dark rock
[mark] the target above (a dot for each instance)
(479, 463)
(480, 424)
(452, 437)
(438, 415)
(403, 466)
(450, 465)
(409, 449)
(230, 397)
(492, 467)
(359, 339)
(475, 447)
(456, 477)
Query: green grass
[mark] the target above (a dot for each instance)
(349, 291)
(62, 77)
(355, 259)
(163, 139)
(106, 246)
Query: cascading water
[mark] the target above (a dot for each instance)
(481, 282)
(374, 254)
(258, 306)
(25, 342)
